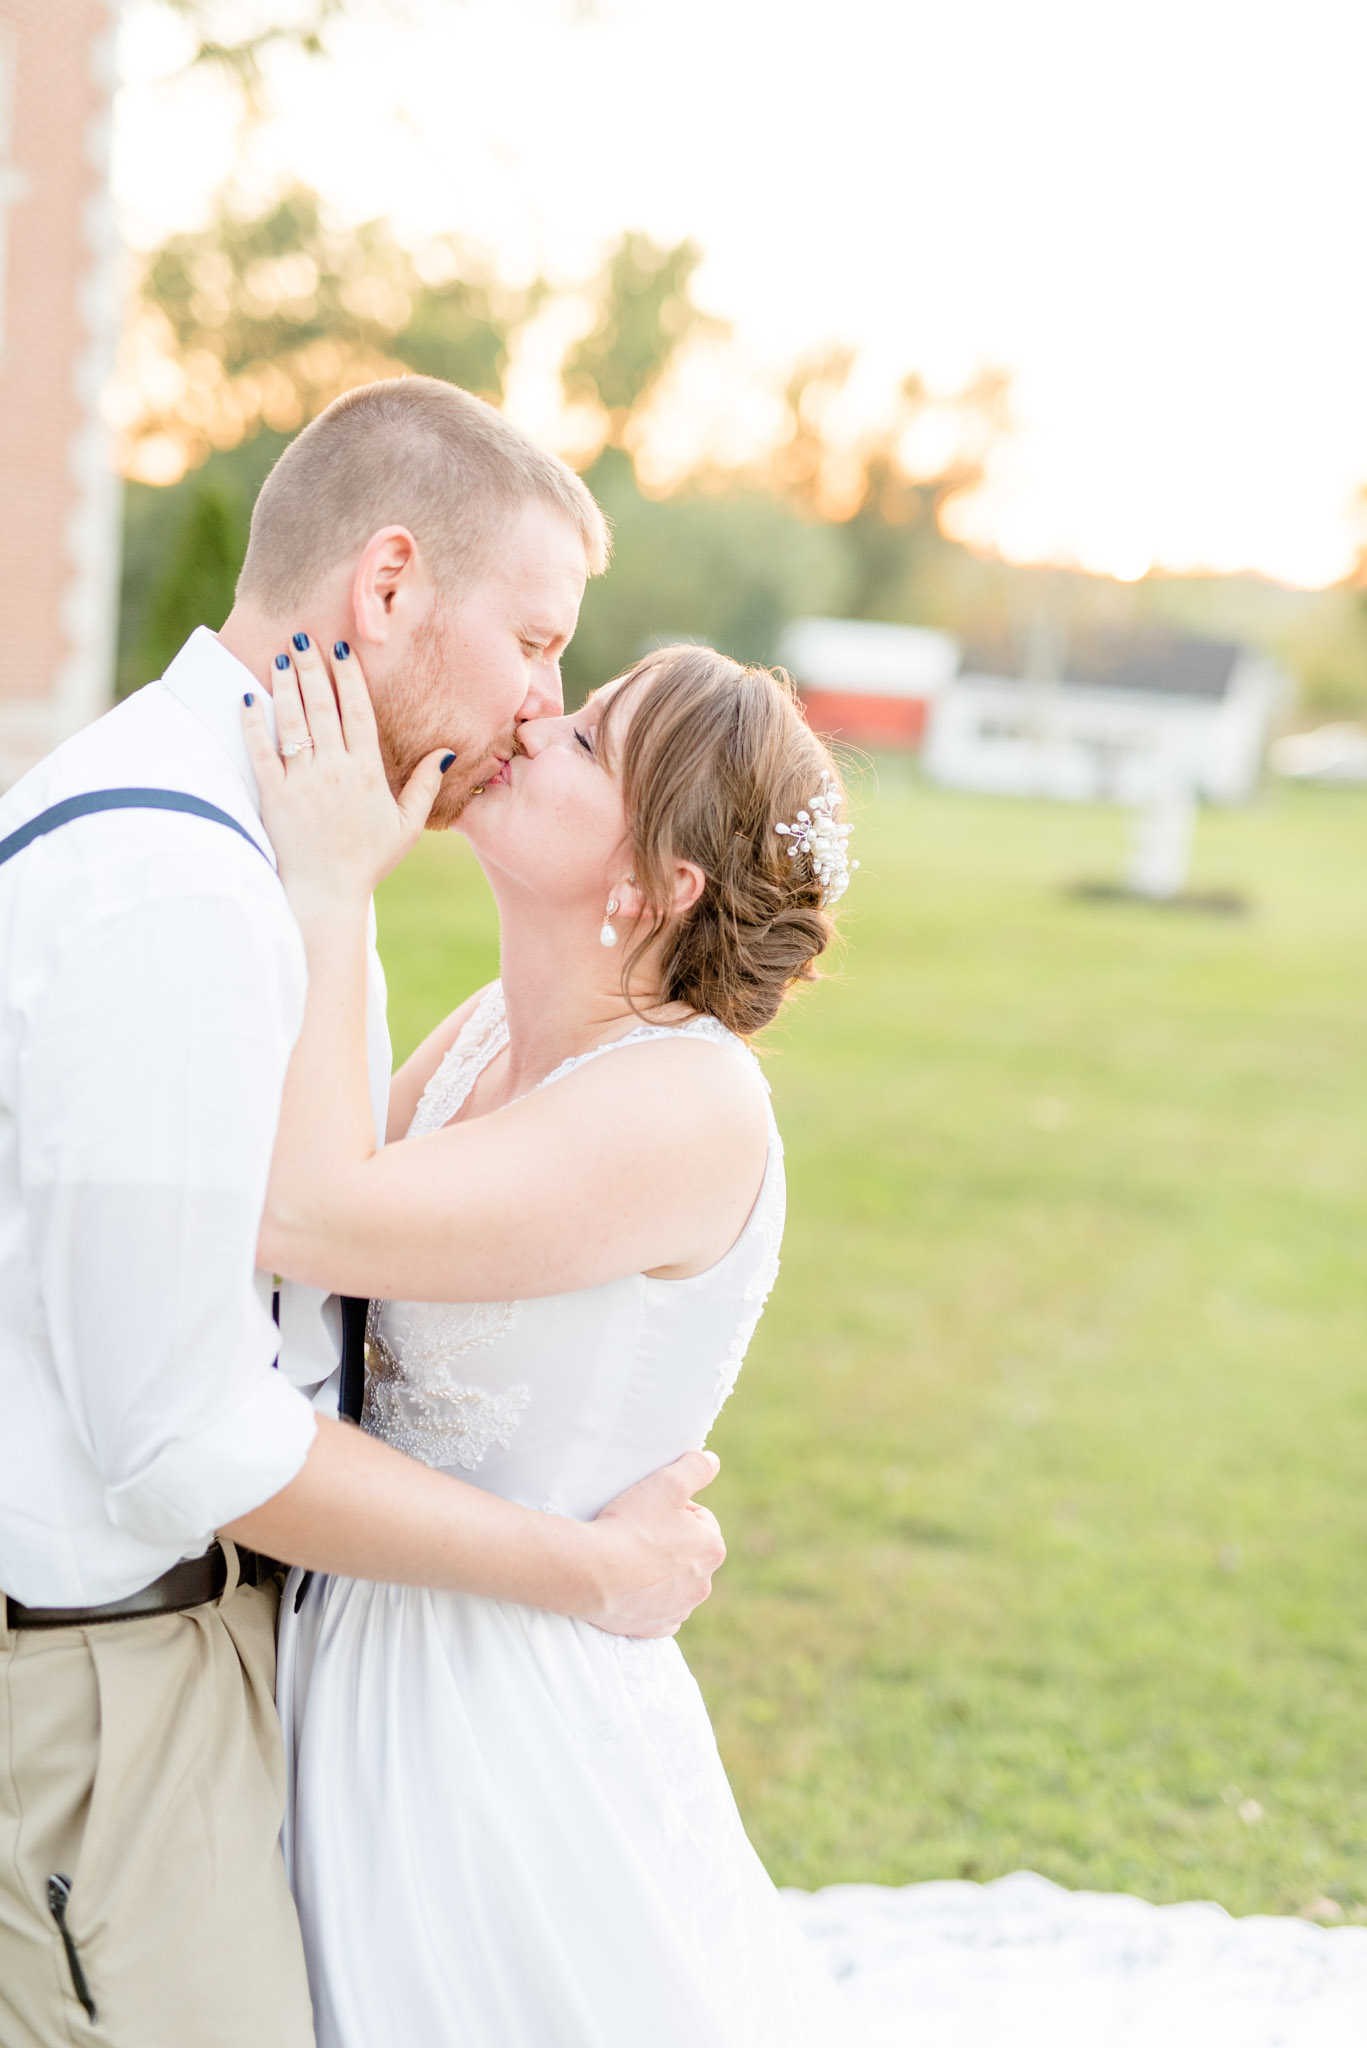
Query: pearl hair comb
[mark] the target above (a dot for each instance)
(816, 833)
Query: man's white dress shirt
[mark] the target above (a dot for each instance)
(152, 985)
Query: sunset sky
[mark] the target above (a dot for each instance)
(1151, 215)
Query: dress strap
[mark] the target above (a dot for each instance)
(708, 1028)
(483, 1035)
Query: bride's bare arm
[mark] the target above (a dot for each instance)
(647, 1160)
(627, 1166)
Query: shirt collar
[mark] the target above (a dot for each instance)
(211, 684)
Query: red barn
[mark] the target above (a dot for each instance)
(868, 683)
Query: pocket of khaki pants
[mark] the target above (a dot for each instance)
(58, 1900)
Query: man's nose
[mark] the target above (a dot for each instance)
(546, 696)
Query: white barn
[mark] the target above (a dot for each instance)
(1128, 716)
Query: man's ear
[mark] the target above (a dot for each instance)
(388, 573)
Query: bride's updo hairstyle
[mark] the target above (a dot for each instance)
(713, 757)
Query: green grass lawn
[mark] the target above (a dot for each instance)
(1046, 1481)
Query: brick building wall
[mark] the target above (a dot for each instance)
(59, 492)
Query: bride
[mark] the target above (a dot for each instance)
(506, 1829)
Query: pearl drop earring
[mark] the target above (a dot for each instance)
(608, 937)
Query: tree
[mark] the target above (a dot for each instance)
(196, 588)
(238, 57)
(889, 510)
(645, 315)
(262, 318)
(731, 568)
(167, 591)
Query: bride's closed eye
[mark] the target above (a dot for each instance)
(585, 742)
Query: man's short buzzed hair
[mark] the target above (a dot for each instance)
(414, 452)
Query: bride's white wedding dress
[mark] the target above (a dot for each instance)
(507, 1829)
(1021, 1963)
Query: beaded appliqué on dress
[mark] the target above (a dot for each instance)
(414, 1401)
(412, 1398)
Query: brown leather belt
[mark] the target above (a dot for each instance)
(191, 1583)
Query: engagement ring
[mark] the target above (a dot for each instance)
(293, 747)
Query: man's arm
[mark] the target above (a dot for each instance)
(366, 1511)
(155, 1034)
(154, 1050)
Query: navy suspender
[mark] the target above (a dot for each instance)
(352, 1393)
(119, 800)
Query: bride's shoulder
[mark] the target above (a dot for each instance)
(680, 1118)
(696, 1081)
(406, 1087)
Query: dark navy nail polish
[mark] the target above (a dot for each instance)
(249, 698)
(341, 652)
(282, 661)
(446, 761)
(301, 641)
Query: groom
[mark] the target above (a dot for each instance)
(166, 1416)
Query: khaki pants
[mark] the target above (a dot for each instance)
(142, 1759)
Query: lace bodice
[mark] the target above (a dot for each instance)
(482, 1039)
(561, 1401)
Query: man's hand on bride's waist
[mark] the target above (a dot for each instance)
(336, 826)
(656, 1550)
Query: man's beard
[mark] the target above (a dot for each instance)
(409, 731)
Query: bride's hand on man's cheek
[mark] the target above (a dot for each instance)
(325, 797)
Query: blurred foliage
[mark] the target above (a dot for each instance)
(890, 507)
(221, 46)
(201, 570)
(645, 314)
(259, 319)
(182, 547)
(263, 318)
(729, 568)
